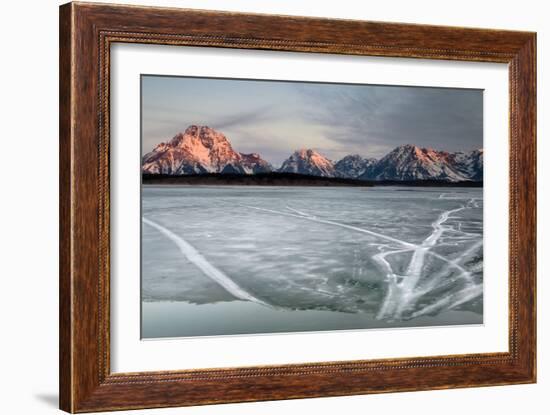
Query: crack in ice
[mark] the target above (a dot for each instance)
(342, 225)
(466, 294)
(401, 296)
(307, 215)
(215, 274)
(405, 244)
(402, 291)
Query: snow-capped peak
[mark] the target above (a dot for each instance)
(353, 166)
(410, 162)
(199, 149)
(308, 161)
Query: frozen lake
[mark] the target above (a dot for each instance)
(241, 260)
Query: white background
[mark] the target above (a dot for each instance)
(28, 208)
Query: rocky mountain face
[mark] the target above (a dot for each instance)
(308, 162)
(353, 166)
(470, 164)
(201, 149)
(408, 162)
(253, 163)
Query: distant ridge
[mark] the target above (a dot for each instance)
(408, 162)
(287, 179)
(201, 150)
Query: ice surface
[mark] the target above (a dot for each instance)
(391, 254)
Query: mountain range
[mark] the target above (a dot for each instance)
(201, 149)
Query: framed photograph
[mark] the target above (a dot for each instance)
(259, 207)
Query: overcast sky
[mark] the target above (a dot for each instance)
(275, 118)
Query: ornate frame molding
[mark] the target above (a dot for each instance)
(86, 34)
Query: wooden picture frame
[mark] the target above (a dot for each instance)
(86, 33)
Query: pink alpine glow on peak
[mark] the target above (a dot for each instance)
(310, 162)
(409, 162)
(200, 149)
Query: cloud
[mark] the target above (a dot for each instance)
(254, 116)
(376, 119)
(275, 118)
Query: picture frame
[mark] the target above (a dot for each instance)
(87, 32)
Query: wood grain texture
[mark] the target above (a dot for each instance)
(65, 246)
(86, 33)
